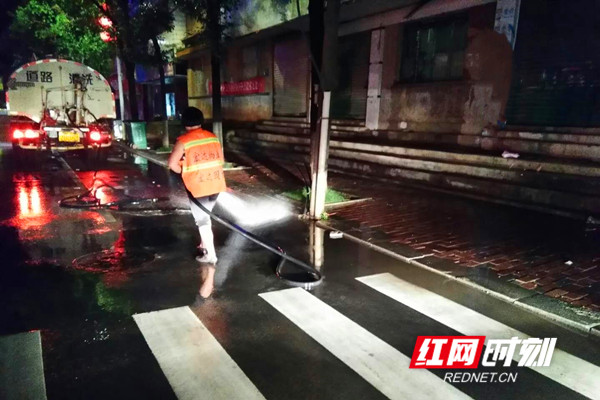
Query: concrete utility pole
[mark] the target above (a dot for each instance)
(324, 47)
(319, 153)
(120, 85)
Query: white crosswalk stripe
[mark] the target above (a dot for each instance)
(22, 367)
(377, 362)
(573, 372)
(194, 363)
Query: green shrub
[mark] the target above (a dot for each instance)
(331, 196)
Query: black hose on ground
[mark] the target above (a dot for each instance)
(312, 276)
(89, 200)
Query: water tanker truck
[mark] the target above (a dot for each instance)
(60, 105)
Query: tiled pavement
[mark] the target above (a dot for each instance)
(553, 255)
(556, 256)
(548, 254)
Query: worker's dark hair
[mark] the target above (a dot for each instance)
(191, 116)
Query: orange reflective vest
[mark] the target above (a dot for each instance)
(202, 166)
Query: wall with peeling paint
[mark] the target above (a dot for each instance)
(248, 108)
(464, 106)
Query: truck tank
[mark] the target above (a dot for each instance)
(59, 86)
(59, 104)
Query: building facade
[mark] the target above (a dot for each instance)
(453, 50)
(431, 94)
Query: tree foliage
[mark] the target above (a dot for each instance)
(150, 22)
(137, 27)
(62, 28)
(214, 16)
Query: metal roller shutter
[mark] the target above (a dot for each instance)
(291, 77)
(349, 100)
(556, 68)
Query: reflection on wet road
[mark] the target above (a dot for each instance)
(78, 276)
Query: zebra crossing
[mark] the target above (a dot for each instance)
(195, 363)
(191, 358)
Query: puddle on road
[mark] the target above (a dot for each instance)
(113, 260)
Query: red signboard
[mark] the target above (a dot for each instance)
(249, 86)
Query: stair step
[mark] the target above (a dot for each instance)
(529, 178)
(347, 128)
(273, 137)
(291, 124)
(289, 119)
(591, 139)
(282, 129)
(454, 157)
(348, 122)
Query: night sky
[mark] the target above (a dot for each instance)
(8, 45)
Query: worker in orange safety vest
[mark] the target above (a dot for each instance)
(198, 157)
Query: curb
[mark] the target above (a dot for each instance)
(590, 330)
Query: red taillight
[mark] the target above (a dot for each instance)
(95, 136)
(31, 134)
(25, 134)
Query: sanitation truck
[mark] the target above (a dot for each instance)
(59, 105)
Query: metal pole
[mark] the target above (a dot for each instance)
(120, 85)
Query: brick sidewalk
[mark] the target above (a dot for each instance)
(551, 255)
(548, 254)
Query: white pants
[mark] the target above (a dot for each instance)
(202, 218)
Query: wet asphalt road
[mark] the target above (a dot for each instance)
(140, 261)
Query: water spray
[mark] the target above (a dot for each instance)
(309, 276)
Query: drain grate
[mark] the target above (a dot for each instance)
(113, 260)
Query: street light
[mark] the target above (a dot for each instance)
(105, 22)
(106, 37)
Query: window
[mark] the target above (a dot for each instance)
(170, 102)
(434, 51)
(249, 62)
(239, 63)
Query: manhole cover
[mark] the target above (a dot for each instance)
(113, 260)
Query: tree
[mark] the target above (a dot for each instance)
(8, 43)
(120, 14)
(64, 28)
(134, 25)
